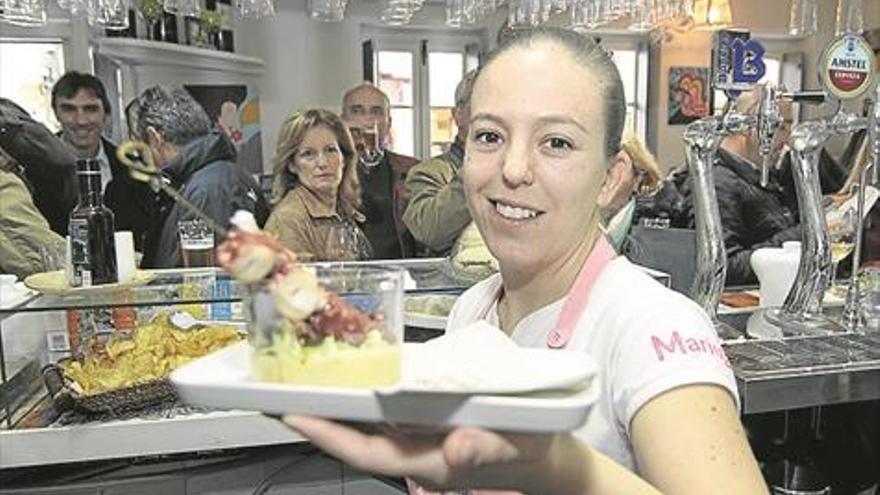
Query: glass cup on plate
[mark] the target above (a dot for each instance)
(353, 340)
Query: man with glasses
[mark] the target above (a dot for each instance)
(366, 110)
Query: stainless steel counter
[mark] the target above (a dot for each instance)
(796, 372)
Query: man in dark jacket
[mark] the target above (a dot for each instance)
(384, 194)
(195, 158)
(82, 107)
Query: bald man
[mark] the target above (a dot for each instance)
(384, 195)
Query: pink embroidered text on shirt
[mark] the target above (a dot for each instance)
(690, 345)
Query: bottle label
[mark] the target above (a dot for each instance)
(79, 251)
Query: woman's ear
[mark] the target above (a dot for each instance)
(291, 166)
(618, 185)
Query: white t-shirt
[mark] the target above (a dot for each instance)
(645, 338)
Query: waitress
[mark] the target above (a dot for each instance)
(547, 113)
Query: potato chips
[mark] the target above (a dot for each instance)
(147, 353)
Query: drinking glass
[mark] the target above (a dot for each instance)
(842, 234)
(366, 141)
(849, 18)
(804, 17)
(196, 243)
(347, 242)
(23, 12)
(256, 9)
(869, 284)
(455, 13)
(112, 14)
(327, 10)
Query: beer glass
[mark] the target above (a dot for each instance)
(196, 243)
(366, 141)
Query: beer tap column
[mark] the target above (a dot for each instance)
(846, 73)
(868, 175)
(736, 66)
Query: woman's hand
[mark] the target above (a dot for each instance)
(475, 458)
(463, 458)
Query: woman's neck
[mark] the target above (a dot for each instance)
(524, 293)
(326, 199)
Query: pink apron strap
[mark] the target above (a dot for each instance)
(579, 295)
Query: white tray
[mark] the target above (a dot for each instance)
(222, 380)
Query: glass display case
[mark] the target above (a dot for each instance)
(37, 330)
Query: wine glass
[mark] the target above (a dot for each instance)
(842, 233)
(347, 242)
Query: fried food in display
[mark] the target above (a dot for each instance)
(151, 352)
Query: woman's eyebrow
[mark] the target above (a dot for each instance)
(487, 116)
(561, 119)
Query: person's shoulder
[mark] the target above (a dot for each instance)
(641, 303)
(400, 162)
(432, 167)
(471, 302)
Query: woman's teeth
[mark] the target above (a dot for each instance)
(514, 212)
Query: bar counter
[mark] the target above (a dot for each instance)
(772, 374)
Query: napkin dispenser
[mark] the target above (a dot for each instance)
(776, 269)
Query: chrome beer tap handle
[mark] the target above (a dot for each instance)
(769, 122)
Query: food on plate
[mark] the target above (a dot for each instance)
(433, 305)
(149, 352)
(303, 332)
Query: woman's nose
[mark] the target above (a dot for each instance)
(517, 167)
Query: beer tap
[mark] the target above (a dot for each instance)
(846, 71)
(868, 175)
(737, 66)
(769, 122)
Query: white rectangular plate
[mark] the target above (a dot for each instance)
(222, 380)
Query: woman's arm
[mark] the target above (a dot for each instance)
(476, 458)
(690, 440)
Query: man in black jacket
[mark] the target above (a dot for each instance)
(195, 158)
(82, 108)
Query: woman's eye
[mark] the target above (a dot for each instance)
(306, 154)
(332, 150)
(559, 144)
(487, 137)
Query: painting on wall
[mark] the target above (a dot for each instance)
(236, 109)
(689, 95)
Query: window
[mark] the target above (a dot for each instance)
(630, 55)
(28, 70)
(419, 73)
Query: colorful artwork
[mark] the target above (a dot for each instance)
(236, 109)
(689, 92)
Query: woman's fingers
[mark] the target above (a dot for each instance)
(473, 447)
(385, 454)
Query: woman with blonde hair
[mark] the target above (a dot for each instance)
(640, 179)
(316, 193)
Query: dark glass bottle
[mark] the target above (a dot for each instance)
(92, 246)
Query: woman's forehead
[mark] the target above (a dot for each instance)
(540, 79)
